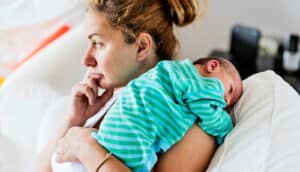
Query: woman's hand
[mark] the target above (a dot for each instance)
(79, 145)
(68, 147)
(85, 99)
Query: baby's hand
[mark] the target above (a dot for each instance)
(85, 99)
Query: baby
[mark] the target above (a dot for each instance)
(155, 110)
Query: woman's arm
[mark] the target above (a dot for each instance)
(193, 153)
(93, 160)
(85, 104)
(78, 144)
(91, 154)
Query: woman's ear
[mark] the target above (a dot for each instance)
(145, 46)
(212, 66)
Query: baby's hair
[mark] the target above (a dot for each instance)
(224, 63)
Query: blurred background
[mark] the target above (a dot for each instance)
(28, 26)
(273, 18)
(254, 34)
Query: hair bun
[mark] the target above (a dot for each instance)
(183, 12)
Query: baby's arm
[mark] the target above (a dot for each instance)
(208, 105)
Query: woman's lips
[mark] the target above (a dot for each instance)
(97, 77)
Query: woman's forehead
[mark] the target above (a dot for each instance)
(96, 24)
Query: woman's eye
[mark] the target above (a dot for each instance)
(96, 45)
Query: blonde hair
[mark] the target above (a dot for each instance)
(155, 17)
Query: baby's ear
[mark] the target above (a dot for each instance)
(145, 44)
(212, 66)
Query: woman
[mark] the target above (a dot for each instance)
(126, 38)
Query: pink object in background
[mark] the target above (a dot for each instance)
(52, 37)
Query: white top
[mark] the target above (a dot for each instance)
(94, 119)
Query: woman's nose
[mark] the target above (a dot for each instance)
(89, 59)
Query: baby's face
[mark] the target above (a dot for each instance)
(232, 86)
(230, 79)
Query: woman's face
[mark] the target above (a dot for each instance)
(110, 60)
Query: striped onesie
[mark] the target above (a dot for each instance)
(155, 111)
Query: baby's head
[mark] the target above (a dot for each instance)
(225, 71)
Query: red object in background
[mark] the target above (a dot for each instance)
(59, 32)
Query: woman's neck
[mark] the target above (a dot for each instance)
(148, 63)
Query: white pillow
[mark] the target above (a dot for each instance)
(52, 120)
(10, 159)
(267, 132)
(22, 107)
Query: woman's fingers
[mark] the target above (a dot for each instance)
(60, 147)
(61, 158)
(86, 76)
(90, 94)
(101, 100)
(67, 146)
(85, 90)
(92, 83)
(60, 151)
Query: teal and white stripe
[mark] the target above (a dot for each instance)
(157, 109)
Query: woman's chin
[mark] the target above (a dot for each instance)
(106, 86)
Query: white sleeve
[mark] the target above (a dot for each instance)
(94, 119)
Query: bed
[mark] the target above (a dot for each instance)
(266, 136)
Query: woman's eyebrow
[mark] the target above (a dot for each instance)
(94, 34)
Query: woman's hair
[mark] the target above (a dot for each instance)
(155, 17)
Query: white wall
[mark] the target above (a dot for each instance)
(272, 17)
